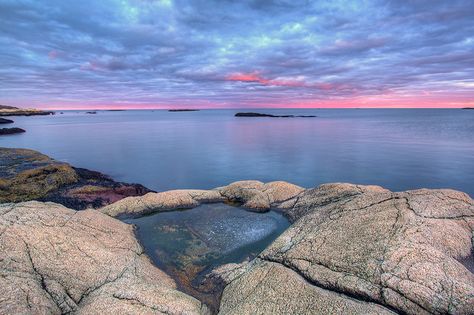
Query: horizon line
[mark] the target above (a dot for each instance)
(238, 108)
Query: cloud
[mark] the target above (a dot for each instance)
(222, 53)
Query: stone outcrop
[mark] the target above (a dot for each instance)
(29, 175)
(54, 260)
(351, 249)
(164, 201)
(364, 249)
(257, 196)
(253, 195)
(356, 249)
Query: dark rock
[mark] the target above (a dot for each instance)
(29, 175)
(10, 131)
(251, 114)
(6, 121)
(92, 113)
(183, 110)
(468, 107)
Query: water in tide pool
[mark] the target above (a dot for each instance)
(189, 244)
(396, 148)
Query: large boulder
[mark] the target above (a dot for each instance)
(363, 249)
(257, 196)
(55, 260)
(164, 201)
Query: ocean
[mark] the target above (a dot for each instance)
(398, 149)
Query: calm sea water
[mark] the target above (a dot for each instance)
(395, 148)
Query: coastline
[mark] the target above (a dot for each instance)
(15, 111)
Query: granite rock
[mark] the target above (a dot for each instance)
(54, 260)
(257, 196)
(163, 201)
(364, 249)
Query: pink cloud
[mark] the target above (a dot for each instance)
(255, 77)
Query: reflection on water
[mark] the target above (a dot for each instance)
(188, 244)
(395, 148)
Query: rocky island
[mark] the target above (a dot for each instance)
(183, 110)
(349, 249)
(15, 111)
(251, 114)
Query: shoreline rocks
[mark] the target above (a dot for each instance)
(15, 111)
(252, 114)
(11, 131)
(252, 195)
(29, 175)
(353, 248)
(400, 252)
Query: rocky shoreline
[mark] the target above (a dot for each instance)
(15, 111)
(29, 175)
(351, 249)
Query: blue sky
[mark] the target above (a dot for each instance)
(236, 54)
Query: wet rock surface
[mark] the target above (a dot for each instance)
(363, 249)
(54, 260)
(29, 175)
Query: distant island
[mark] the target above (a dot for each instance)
(183, 110)
(15, 111)
(91, 113)
(251, 114)
(468, 108)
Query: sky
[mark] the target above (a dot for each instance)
(64, 54)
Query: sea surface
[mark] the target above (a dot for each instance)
(396, 148)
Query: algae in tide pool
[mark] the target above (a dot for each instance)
(188, 244)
